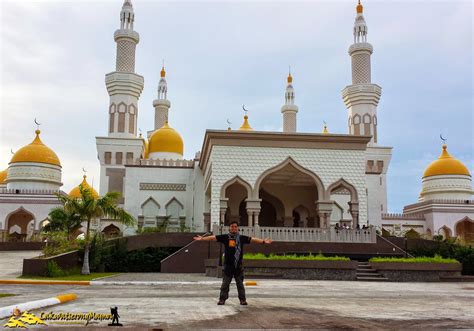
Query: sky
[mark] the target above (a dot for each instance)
(222, 54)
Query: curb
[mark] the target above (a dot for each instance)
(42, 282)
(30, 305)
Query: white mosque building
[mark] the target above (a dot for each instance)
(262, 179)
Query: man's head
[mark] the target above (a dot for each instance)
(234, 227)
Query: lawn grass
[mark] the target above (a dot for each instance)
(75, 277)
(4, 295)
(310, 257)
(421, 259)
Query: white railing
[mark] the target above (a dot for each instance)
(304, 234)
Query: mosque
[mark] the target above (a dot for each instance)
(281, 180)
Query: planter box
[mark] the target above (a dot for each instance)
(39, 265)
(293, 269)
(417, 272)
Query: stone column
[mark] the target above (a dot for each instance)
(253, 208)
(207, 222)
(324, 209)
(223, 210)
(354, 211)
(249, 217)
(255, 217)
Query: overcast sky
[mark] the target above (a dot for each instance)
(222, 54)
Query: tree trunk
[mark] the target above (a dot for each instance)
(85, 264)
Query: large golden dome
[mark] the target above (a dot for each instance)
(446, 165)
(3, 176)
(76, 192)
(36, 151)
(166, 139)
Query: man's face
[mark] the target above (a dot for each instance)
(234, 228)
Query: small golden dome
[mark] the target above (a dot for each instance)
(36, 151)
(290, 78)
(360, 8)
(166, 139)
(245, 126)
(163, 72)
(446, 165)
(76, 192)
(325, 130)
(3, 176)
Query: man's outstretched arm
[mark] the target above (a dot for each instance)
(208, 238)
(261, 241)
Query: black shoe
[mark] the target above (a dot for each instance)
(221, 302)
(243, 303)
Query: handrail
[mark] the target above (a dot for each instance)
(391, 243)
(179, 250)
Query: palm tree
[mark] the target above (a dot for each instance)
(61, 219)
(87, 207)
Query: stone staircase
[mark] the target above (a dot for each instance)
(366, 273)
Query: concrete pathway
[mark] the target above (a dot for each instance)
(11, 262)
(272, 304)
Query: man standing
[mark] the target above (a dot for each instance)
(234, 251)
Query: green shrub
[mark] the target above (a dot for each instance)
(421, 259)
(309, 257)
(53, 270)
(58, 243)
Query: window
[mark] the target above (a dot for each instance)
(108, 158)
(118, 158)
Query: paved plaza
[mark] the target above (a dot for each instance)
(272, 303)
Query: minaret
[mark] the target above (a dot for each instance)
(161, 104)
(289, 109)
(124, 85)
(362, 97)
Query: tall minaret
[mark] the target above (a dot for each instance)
(362, 97)
(289, 109)
(161, 104)
(121, 146)
(124, 85)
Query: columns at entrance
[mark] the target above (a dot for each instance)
(223, 210)
(253, 210)
(354, 211)
(324, 209)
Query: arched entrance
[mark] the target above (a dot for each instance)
(111, 231)
(234, 194)
(288, 190)
(345, 204)
(20, 225)
(465, 230)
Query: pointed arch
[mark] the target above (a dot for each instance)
(342, 183)
(150, 199)
(464, 229)
(297, 166)
(445, 231)
(171, 201)
(20, 209)
(234, 180)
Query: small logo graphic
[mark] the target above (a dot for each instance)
(21, 321)
(115, 319)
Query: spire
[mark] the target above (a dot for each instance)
(161, 103)
(289, 109)
(360, 27)
(245, 125)
(325, 129)
(127, 16)
(162, 85)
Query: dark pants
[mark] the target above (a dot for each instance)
(227, 279)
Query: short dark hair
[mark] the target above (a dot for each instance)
(234, 222)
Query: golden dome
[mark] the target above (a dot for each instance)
(446, 165)
(166, 139)
(3, 176)
(145, 145)
(76, 192)
(359, 8)
(36, 151)
(163, 72)
(325, 130)
(245, 126)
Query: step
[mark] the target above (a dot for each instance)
(364, 267)
(374, 279)
(366, 270)
(366, 274)
(261, 275)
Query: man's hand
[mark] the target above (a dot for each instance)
(197, 237)
(267, 241)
